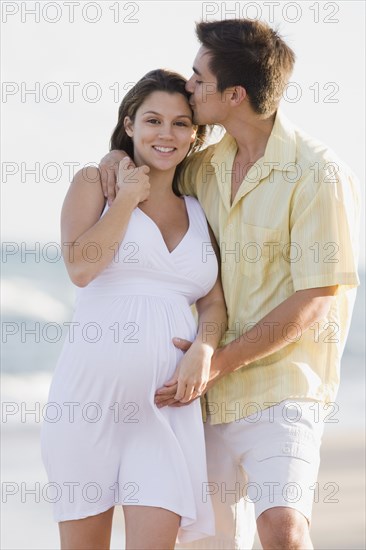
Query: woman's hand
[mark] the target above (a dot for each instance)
(133, 182)
(165, 396)
(192, 373)
(108, 169)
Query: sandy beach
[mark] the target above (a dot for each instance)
(341, 524)
(338, 518)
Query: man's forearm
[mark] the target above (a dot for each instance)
(280, 327)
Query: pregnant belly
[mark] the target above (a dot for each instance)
(121, 347)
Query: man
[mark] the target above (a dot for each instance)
(285, 212)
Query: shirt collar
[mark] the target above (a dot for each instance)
(280, 153)
(281, 145)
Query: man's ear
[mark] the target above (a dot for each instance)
(236, 95)
(239, 94)
(128, 126)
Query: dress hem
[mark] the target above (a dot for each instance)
(188, 534)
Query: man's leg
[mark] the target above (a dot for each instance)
(282, 528)
(234, 516)
(282, 467)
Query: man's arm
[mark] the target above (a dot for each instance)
(277, 329)
(280, 327)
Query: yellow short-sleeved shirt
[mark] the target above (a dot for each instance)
(294, 224)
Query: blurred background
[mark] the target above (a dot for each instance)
(65, 69)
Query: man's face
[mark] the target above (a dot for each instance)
(209, 105)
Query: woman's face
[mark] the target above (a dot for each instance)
(162, 131)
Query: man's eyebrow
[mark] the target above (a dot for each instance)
(196, 71)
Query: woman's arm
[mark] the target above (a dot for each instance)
(194, 368)
(89, 242)
(192, 373)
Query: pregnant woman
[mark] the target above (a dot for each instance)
(139, 265)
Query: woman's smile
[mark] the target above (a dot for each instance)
(162, 131)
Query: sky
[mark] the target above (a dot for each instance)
(66, 66)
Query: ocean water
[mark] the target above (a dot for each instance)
(37, 303)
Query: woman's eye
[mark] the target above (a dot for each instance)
(181, 123)
(153, 121)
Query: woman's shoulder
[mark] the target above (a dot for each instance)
(195, 208)
(87, 185)
(88, 174)
(192, 201)
(85, 195)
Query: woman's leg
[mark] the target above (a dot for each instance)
(150, 528)
(91, 533)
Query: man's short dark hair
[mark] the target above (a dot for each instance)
(250, 54)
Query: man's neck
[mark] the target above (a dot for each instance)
(251, 134)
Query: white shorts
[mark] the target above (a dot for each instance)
(268, 459)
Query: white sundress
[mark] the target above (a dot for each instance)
(104, 442)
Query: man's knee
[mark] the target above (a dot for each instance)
(283, 528)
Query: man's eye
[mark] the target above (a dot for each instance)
(199, 81)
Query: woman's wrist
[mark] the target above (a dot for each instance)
(205, 348)
(128, 199)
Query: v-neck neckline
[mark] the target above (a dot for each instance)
(170, 252)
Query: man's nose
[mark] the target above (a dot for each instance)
(190, 85)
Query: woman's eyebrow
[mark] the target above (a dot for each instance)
(152, 113)
(159, 114)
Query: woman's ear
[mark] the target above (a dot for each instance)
(128, 126)
(194, 133)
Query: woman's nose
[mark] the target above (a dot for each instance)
(166, 131)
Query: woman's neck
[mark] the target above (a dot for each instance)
(161, 182)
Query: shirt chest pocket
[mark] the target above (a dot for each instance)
(260, 250)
